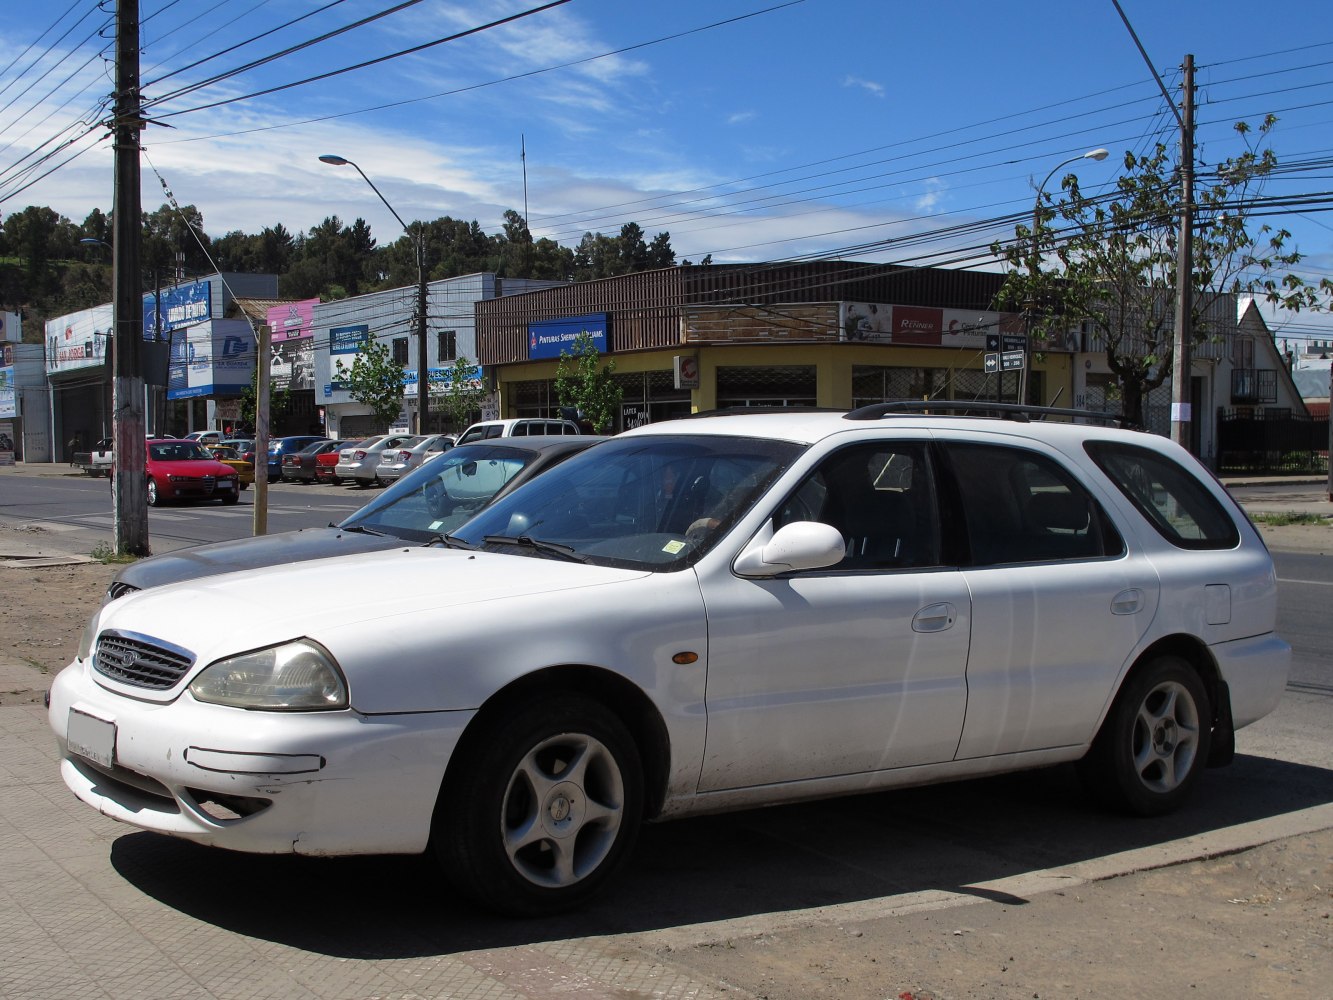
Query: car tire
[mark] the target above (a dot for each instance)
(235, 498)
(151, 489)
(1154, 743)
(541, 808)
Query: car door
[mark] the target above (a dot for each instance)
(1059, 600)
(851, 669)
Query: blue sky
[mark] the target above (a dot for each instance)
(747, 129)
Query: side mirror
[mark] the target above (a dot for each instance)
(800, 545)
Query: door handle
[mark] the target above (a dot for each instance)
(935, 618)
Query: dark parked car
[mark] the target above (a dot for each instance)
(299, 466)
(279, 448)
(428, 502)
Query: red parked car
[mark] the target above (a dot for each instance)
(326, 463)
(186, 470)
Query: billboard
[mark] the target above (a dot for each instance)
(549, 338)
(214, 358)
(292, 320)
(79, 340)
(345, 344)
(440, 380)
(923, 326)
(182, 306)
(11, 328)
(8, 402)
(293, 364)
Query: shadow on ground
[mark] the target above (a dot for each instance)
(945, 837)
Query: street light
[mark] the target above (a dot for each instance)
(419, 241)
(1035, 261)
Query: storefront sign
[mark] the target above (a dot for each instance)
(345, 344)
(79, 340)
(686, 368)
(8, 402)
(633, 415)
(551, 338)
(922, 326)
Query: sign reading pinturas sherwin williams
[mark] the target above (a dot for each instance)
(549, 338)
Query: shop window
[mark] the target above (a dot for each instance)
(778, 385)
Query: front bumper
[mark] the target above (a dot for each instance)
(319, 783)
(189, 490)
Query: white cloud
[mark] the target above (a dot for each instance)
(870, 86)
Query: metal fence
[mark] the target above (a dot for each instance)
(1271, 442)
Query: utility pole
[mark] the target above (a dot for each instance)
(263, 373)
(423, 372)
(1180, 373)
(129, 492)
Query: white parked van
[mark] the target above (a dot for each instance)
(517, 427)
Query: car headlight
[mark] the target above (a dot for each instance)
(297, 676)
(89, 636)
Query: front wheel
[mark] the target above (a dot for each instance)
(1154, 743)
(153, 499)
(542, 808)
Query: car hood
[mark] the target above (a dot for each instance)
(358, 595)
(250, 553)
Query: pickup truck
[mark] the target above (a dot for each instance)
(97, 462)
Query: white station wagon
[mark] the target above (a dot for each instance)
(713, 613)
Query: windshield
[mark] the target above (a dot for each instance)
(654, 502)
(443, 493)
(179, 451)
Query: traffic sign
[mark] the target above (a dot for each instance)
(1010, 360)
(992, 363)
(1006, 342)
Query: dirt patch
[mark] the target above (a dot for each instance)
(43, 612)
(1255, 924)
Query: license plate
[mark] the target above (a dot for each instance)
(91, 737)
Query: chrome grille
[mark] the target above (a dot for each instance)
(140, 661)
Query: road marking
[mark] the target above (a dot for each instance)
(1308, 583)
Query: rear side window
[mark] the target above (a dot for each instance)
(1022, 507)
(1168, 495)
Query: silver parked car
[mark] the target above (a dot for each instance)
(396, 462)
(358, 463)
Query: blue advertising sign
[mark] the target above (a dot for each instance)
(182, 306)
(441, 379)
(549, 338)
(349, 339)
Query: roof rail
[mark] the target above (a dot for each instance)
(731, 411)
(1004, 411)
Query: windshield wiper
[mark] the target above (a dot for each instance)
(359, 529)
(450, 542)
(528, 542)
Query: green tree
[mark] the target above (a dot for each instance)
(374, 380)
(279, 402)
(582, 382)
(458, 396)
(1117, 260)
